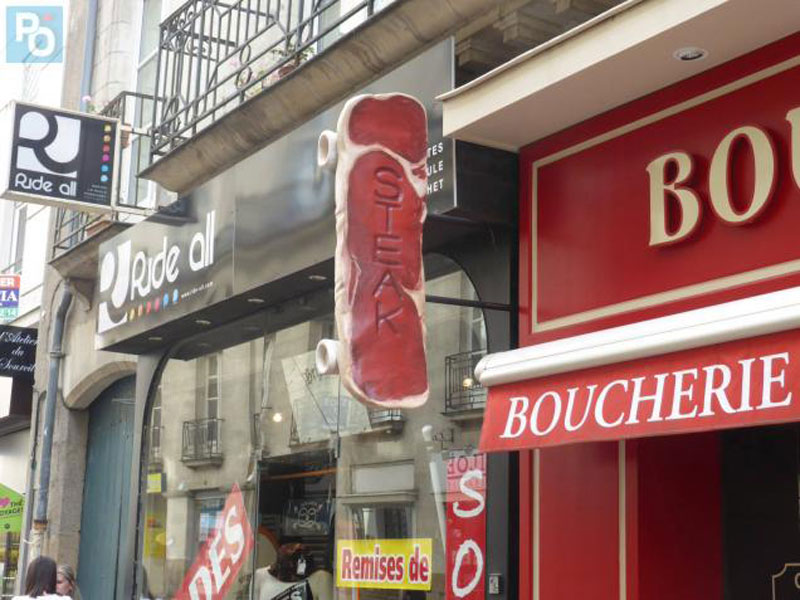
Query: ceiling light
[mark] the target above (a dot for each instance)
(155, 338)
(690, 53)
(277, 417)
(202, 322)
(317, 278)
(256, 300)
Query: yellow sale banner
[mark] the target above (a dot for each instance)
(385, 564)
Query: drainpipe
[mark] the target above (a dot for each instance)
(43, 495)
(88, 54)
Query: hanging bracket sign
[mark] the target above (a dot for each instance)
(9, 297)
(58, 157)
(17, 351)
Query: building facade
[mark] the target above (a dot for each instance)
(23, 256)
(199, 392)
(654, 462)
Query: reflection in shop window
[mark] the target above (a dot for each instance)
(382, 522)
(315, 467)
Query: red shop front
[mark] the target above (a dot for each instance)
(655, 398)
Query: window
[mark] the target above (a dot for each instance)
(155, 429)
(141, 192)
(342, 477)
(211, 411)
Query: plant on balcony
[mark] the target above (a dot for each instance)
(274, 56)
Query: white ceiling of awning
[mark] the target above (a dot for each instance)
(613, 59)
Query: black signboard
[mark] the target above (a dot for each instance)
(59, 158)
(166, 267)
(273, 212)
(17, 351)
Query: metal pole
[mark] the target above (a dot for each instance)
(43, 495)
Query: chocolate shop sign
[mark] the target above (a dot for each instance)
(17, 351)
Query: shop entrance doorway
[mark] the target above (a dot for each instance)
(296, 538)
(105, 491)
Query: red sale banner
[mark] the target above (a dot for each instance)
(466, 527)
(223, 554)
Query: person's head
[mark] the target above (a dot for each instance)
(41, 577)
(65, 580)
(285, 567)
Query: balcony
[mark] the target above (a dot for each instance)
(77, 234)
(234, 75)
(202, 443)
(380, 421)
(464, 396)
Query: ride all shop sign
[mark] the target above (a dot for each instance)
(57, 157)
(686, 198)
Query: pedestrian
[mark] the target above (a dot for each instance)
(40, 580)
(66, 585)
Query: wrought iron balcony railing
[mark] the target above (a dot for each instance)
(213, 55)
(463, 392)
(202, 441)
(73, 227)
(132, 109)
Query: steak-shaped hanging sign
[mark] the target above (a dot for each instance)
(380, 151)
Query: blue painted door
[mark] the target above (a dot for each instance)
(106, 495)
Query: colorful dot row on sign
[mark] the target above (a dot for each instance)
(106, 153)
(153, 305)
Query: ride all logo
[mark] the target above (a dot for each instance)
(47, 154)
(34, 34)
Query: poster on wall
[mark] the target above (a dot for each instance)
(465, 548)
(11, 505)
(57, 157)
(307, 517)
(9, 297)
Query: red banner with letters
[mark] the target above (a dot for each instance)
(223, 554)
(743, 383)
(685, 198)
(466, 527)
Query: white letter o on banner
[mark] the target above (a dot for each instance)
(463, 549)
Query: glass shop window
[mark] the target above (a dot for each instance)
(297, 478)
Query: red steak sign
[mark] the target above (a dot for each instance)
(736, 384)
(380, 209)
(688, 197)
(223, 554)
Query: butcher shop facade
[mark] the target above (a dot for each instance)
(653, 401)
(258, 477)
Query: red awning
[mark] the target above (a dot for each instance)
(697, 371)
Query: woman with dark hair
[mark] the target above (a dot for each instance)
(40, 580)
